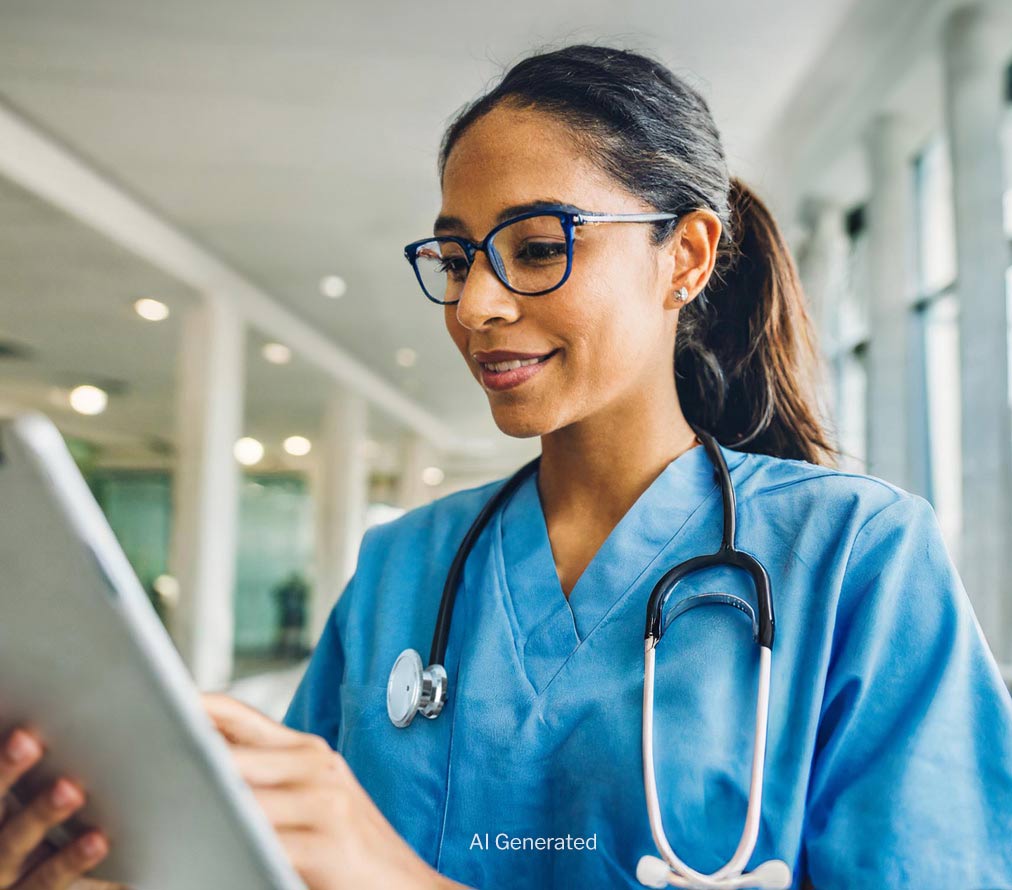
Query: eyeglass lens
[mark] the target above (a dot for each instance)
(530, 253)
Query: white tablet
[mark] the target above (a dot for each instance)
(85, 661)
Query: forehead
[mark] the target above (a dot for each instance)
(511, 156)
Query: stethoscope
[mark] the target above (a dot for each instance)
(413, 689)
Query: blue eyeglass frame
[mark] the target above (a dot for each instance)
(569, 217)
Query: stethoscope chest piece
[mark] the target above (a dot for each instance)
(414, 689)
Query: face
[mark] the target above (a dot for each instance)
(604, 335)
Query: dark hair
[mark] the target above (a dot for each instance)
(745, 363)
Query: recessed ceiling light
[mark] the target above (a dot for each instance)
(151, 310)
(88, 399)
(297, 446)
(248, 451)
(433, 476)
(276, 353)
(406, 357)
(333, 286)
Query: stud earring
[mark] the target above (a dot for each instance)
(682, 295)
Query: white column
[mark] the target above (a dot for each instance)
(976, 49)
(206, 488)
(822, 266)
(341, 492)
(890, 370)
(416, 454)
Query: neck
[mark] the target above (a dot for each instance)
(604, 463)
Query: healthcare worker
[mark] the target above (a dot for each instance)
(888, 759)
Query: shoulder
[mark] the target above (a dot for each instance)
(420, 543)
(402, 565)
(888, 555)
(804, 484)
(844, 504)
(447, 517)
(838, 521)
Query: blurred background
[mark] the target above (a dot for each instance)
(202, 213)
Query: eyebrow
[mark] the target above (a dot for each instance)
(446, 223)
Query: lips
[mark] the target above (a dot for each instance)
(504, 370)
(502, 355)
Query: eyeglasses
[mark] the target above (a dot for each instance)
(531, 254)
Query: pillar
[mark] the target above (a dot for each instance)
(416, 454)
(340, 484)
(822, 266)
(205, 490)
(890, 404)
(975, 53)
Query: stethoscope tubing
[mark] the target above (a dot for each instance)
(725, 555)
(441, 634)
(750, 833)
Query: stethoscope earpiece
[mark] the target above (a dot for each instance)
(652, 871)
(774, 874)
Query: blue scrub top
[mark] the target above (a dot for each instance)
(889, 759)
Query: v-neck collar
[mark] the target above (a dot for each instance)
(551, 627)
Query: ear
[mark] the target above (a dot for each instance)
(693, 252)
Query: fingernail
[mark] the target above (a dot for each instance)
(92, 845)
(62, 795)
(20, 748)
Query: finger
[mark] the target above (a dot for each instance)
(242, 724)
(304, 807)
(63, 868)
(25, 830)
(313, 761)
(21, 751)
(43, 851)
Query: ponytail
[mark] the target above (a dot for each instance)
(746, 363)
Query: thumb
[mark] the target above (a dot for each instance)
(242, 724)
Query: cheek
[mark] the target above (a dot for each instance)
(610, 333)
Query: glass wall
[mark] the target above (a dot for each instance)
(274, 554)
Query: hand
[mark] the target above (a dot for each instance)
(335, 836)
(27, 860)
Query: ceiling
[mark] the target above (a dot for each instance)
(298, 140)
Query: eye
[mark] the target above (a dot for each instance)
(454, 267)
(541, 251)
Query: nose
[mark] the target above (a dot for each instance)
(484, 299)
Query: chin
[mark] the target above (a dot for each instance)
(520, 424)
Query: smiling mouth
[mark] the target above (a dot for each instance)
(500, 367)
(506, 375)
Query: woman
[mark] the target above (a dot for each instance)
(889, 756)
(889, 743)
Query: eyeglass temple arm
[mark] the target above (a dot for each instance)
(580, 218)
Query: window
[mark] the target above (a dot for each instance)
(849, 360)
(934, 219)
(936, 319)
(941, 350)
